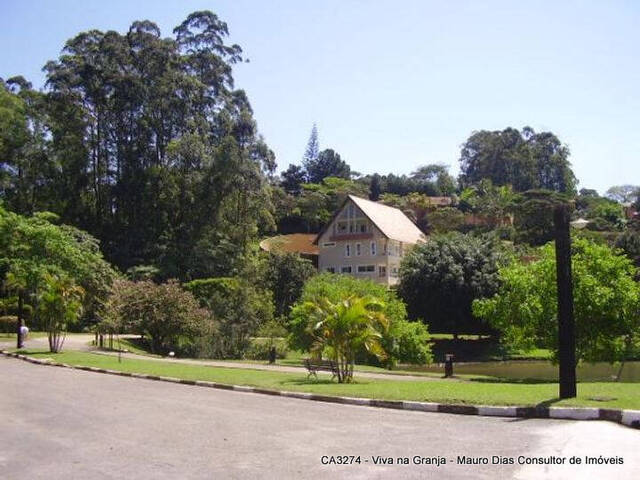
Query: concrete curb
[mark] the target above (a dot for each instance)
(629, 418)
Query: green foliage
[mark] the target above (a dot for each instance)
(8, 323)
(624, 193)
(421, 208)
(168, 315)
(143, 272)
(606, 302)
(407, 342)
(344, 328)
(238, 307)
(440, 278)
(26, 169)
(59, 306)
(534, 219)
(629, 243)
(525, 160)
(402, 341)
(144, 142)
(32, 248)
(494, 204)
(445, 219)
(327, 164)
(285, 276)
(260, 349)
(313, 208)
(272, 329)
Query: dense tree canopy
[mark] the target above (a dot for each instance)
(143, 141)
(32, 250)
(328, 164)
(606, 302)
(239, 309)
(624, 193)
(525, 160)
(285, 275)
(440, 278)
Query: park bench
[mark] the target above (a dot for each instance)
(314, 366)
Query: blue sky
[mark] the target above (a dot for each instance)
(396, 84)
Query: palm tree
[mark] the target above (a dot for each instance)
(60, 305)
(345, 327)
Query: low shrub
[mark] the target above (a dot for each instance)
(8, 324)
(260, 348)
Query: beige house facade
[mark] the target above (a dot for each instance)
(367, 240)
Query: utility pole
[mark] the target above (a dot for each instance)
(566, 323)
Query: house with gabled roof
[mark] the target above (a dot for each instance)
(366, 239)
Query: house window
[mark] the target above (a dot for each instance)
(382, 270)
(384, 248)
(394, 271)
(331, 269)
(366, 268)
(346, 269)
(373, 248)
(363, 228)
(347, 250)
(329, 244)
(358, 249)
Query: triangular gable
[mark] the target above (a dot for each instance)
(390, 221)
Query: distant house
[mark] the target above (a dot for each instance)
(366, 239)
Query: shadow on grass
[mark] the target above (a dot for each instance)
(548, 403)
(26, 351)
(521, 381)
(323, 381)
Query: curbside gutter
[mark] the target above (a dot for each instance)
(629, 418)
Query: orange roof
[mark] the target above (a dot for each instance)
(293, 243)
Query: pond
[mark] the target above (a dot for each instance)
(542, 370)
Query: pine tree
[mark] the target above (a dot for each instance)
(313, 149)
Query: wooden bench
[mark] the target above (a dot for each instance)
(314, 366)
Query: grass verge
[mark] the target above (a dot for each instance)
(611, 395)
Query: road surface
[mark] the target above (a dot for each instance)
(66, 424)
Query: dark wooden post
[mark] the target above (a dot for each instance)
(566, 324)
(19, 338)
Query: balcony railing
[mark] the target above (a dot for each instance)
(351, 236)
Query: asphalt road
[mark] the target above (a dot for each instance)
(64, 424)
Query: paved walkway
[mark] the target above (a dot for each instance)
(74, 341)
(81, 342)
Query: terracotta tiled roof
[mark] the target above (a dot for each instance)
(294, 243)
(393, 223)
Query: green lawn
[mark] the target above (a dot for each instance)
(481, 391)
(131, 345)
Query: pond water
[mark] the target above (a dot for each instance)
(542, 370)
